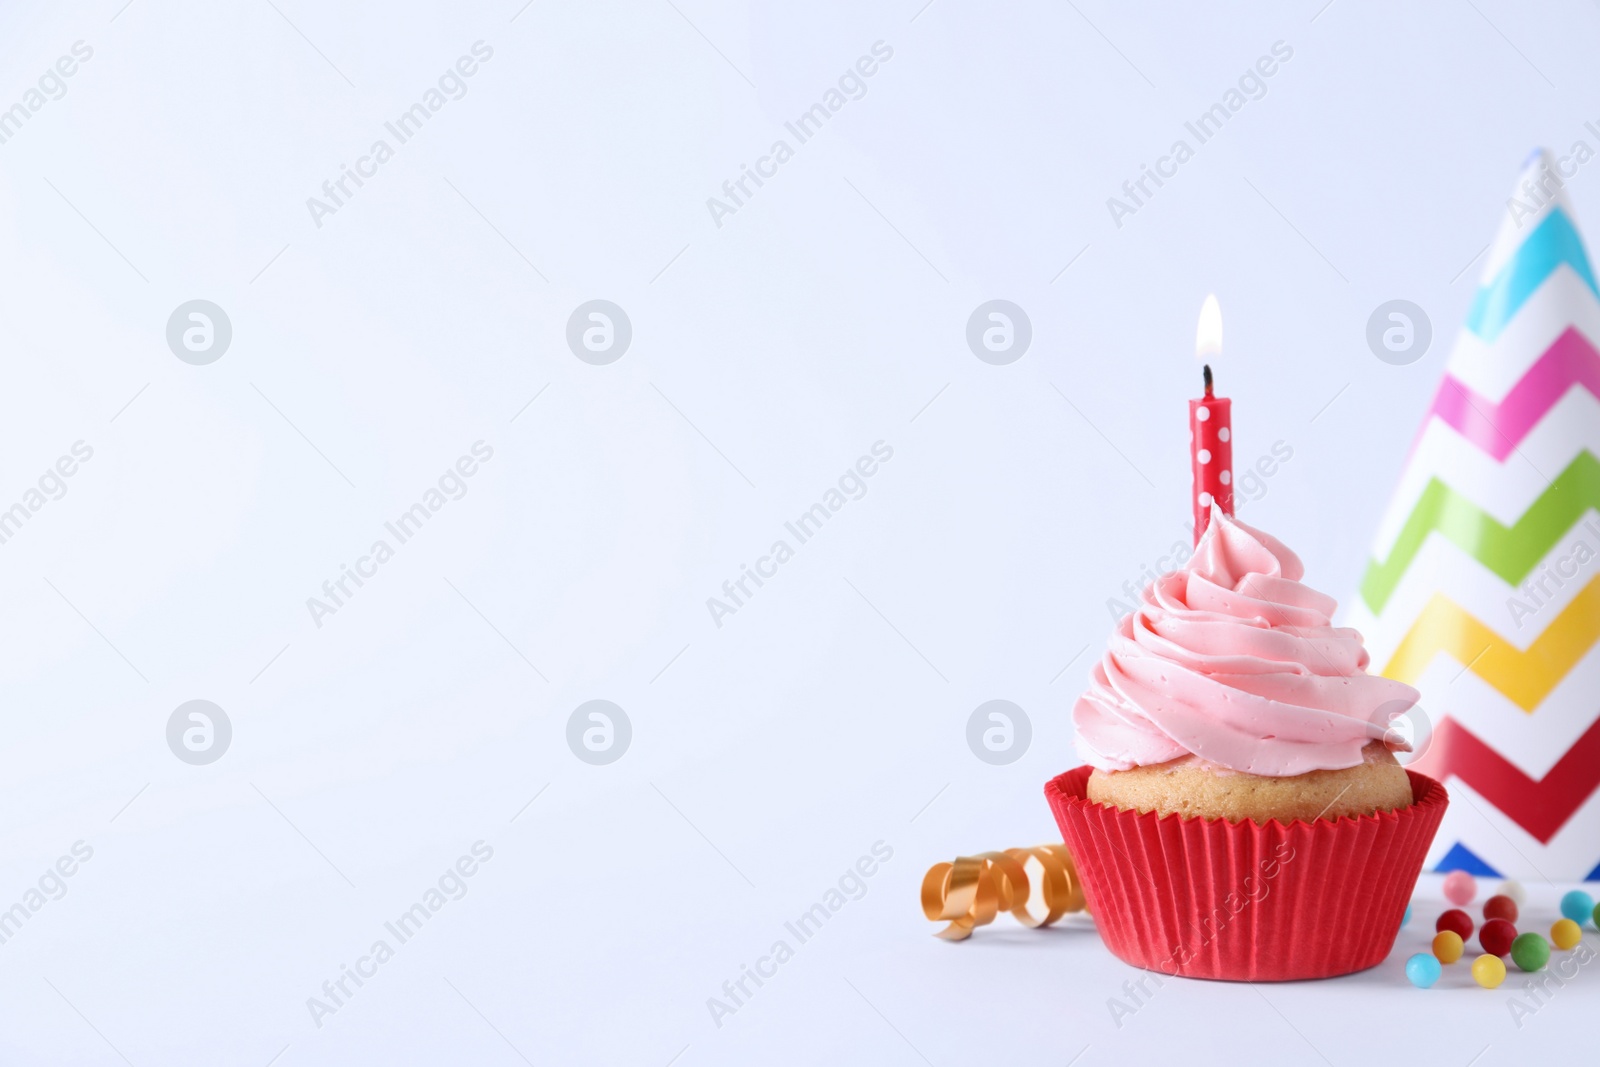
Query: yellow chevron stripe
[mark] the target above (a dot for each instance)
(1525, 678)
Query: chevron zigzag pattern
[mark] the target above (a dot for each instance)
(1540, 806)
(1515, 383)
(1498, 428)
(1523, 677)
(1462, 858)
(1554, 242)
(1510, 552)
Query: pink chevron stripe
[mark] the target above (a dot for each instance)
(1498, 428)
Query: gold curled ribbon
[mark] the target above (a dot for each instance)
(970, 892)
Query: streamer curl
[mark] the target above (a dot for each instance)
(970, 892)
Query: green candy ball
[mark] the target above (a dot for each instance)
(1530, 952)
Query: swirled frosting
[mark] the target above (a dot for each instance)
(1233, 660)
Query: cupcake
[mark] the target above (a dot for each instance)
(1241, 813)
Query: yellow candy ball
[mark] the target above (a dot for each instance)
(1488, 971)
(1447, 946)
(1566, 933)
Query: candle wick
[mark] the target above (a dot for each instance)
(1206, 372)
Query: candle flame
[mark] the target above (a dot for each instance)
(1208, 337)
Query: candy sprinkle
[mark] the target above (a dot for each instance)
(1566, 934)
(1460, 887)
(1530, 951)
(1500, 906)
(1496, 937)
(1423, 970)
(1457, 920)
(1447, 946)
(1578, 906)
(1488, 971)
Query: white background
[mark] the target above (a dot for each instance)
(768, 354)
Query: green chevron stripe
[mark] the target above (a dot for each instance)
(1509, 551)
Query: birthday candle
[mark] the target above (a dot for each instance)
(1210, 427)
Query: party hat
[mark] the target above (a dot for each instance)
(1483, 590)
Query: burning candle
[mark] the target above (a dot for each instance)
(1210, 427)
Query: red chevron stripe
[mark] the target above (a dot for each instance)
(1541, 806)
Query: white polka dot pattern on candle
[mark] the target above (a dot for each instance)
(1210, 459)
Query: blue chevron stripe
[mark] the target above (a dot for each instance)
(1553, 242)
(1461, 858)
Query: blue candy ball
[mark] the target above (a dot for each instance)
(1406, 918)
(1423, 969)
(1577, 906)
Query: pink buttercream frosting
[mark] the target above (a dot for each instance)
(1233, 660)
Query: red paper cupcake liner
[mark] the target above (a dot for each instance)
(1206, 898)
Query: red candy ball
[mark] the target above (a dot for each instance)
(1496, 937)
(1458, 922)
(1500, 907)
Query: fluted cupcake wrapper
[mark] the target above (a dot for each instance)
(1206, 898)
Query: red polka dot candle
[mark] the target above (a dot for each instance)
(1210, 428)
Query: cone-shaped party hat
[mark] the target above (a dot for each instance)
(1483, 589)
